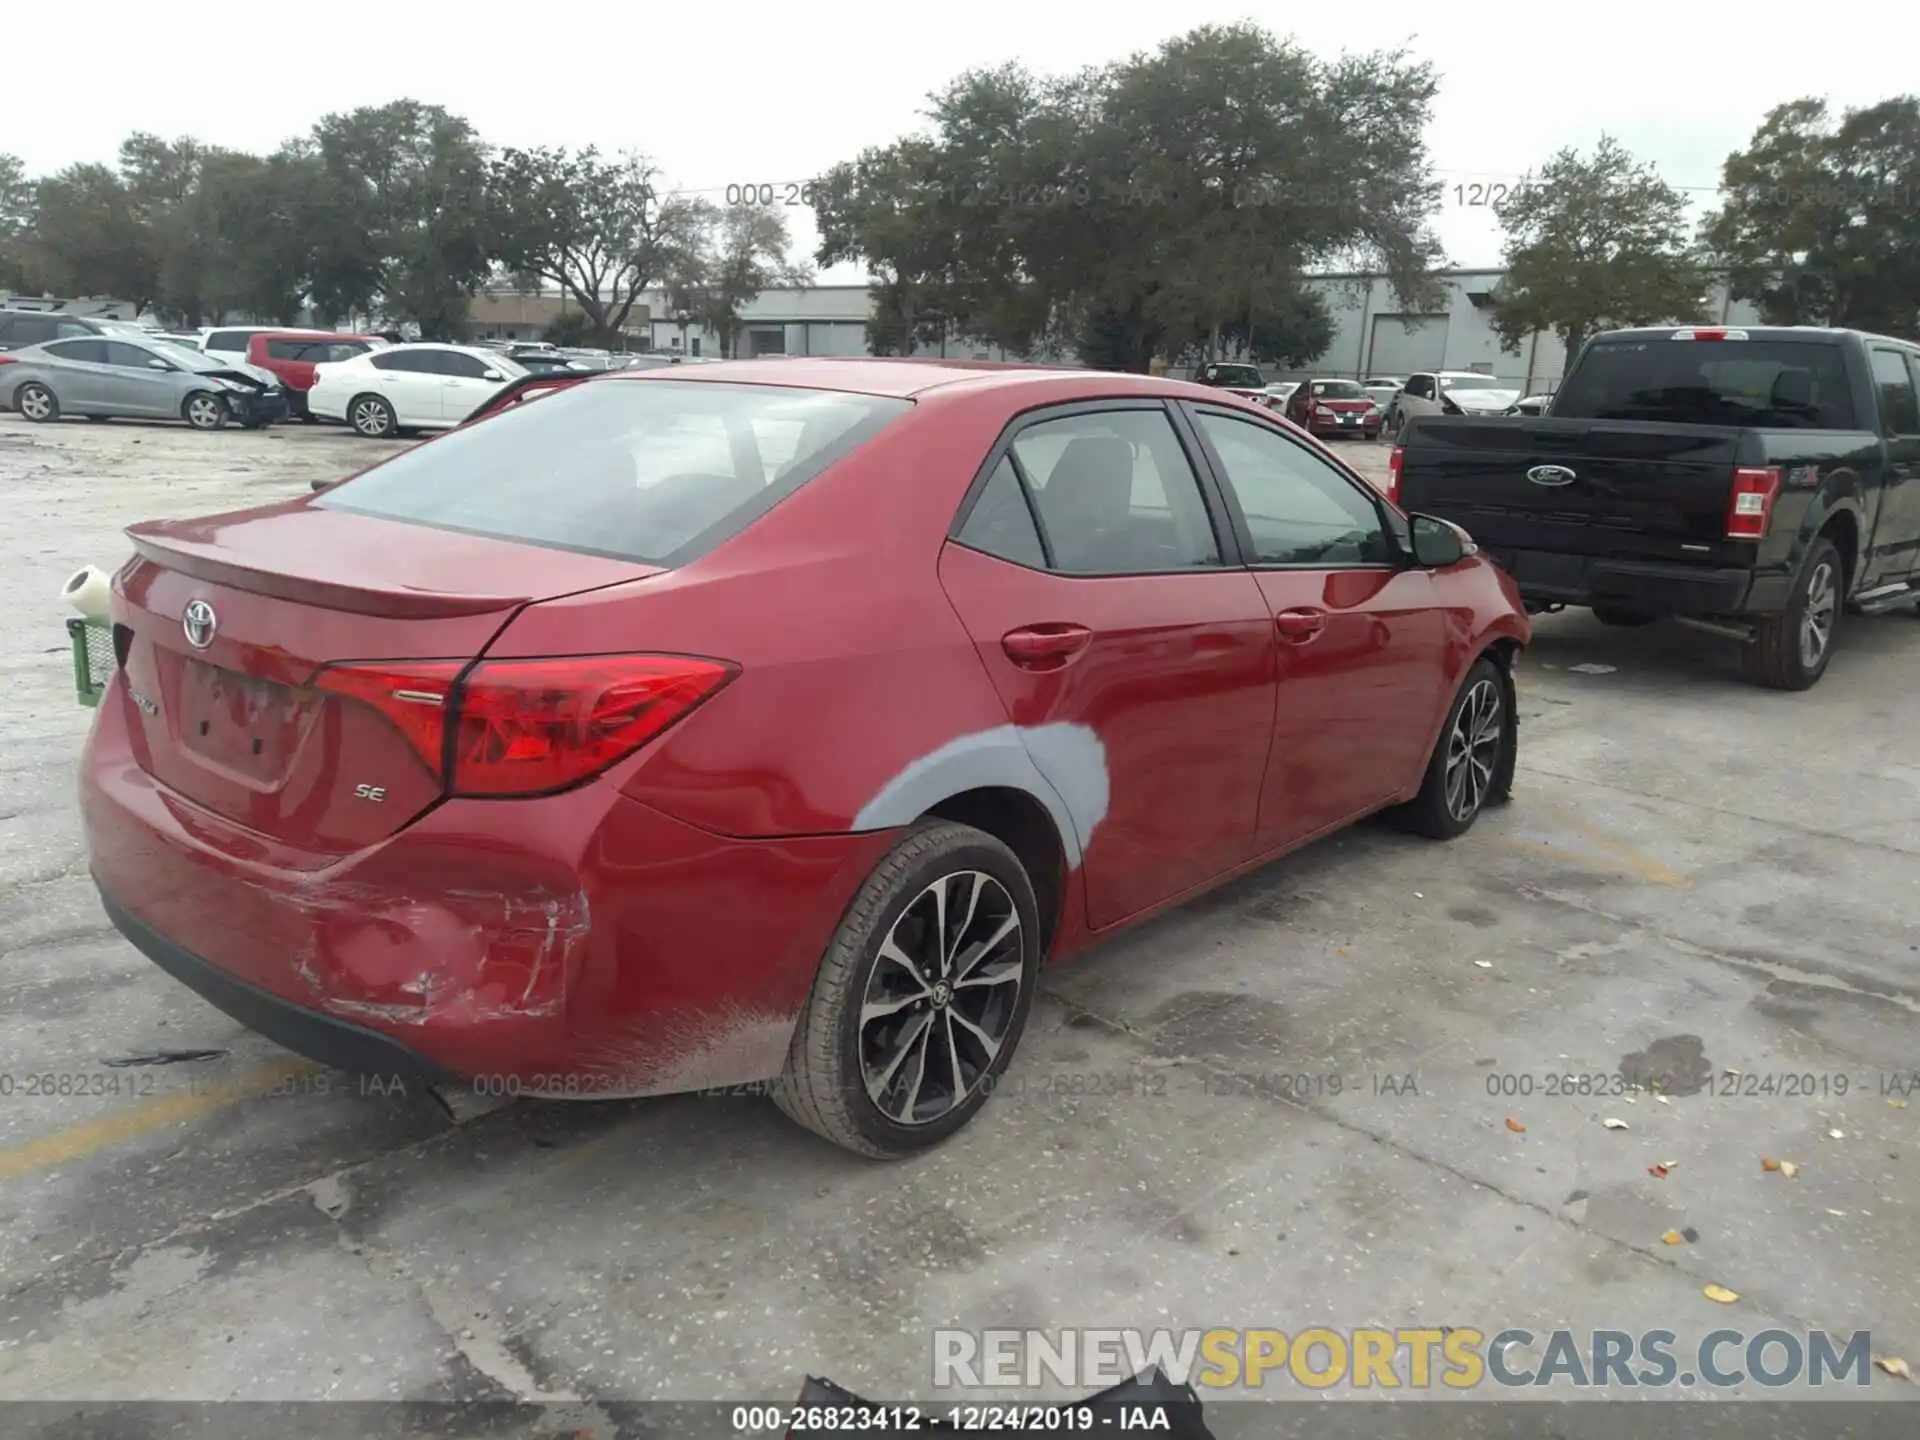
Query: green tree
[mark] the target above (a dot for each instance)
(399, 214)
(16, 226)
(254, 218)
(1594, 241)
(89, 238)
(600, 229)
(1820, 221)
(1184, 192)
(741, 252)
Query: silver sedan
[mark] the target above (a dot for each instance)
(109, 376)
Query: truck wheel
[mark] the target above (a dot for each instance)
(1790, 650)
(1607, 615)
(921, 996)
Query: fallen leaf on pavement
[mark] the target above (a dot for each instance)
(1720, 1294)
(1789, 1169)
(1484, 964)
(1898, 1104)
(1515, 1126)
(1894, 1366)
(1767, 1162)
(1836, 1134)
(1673, 1237)
(1613, 1124)
(1659, 1172)
(1663, 1099)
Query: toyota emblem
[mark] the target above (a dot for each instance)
(1551, 475)
(200, 623)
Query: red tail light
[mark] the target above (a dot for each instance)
(528, 727)
(8, 360)
(1750, 507)
(1393, 474)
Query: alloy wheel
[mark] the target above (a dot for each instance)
(940, 1000)
(370, 418)
(203, 412)
(1473, 749)
(1817, 615)
(35, 403)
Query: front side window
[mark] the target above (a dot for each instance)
(657, 471)
(1299, 509)
(1899, 407)
(1116, 493)
(127, 357)
(228, 340)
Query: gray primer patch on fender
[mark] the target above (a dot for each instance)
(1062, 766)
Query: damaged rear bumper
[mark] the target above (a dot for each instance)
(581, 945)
(303, 1031)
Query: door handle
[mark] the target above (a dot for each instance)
(1299, 624)
(1043, 646)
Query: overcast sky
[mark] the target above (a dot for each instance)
(737, 93)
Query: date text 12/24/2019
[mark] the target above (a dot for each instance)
(859, 1418)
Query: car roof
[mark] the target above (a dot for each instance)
(896, 377)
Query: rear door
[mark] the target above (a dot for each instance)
(1361, 644)
(1098, 582)
(76, 372)
(409, 384)
(1896, 533)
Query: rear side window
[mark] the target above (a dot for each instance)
(1899, 407)
(92, 352)
(1001, 524)
(228, 340)
(398, 360)
(653, 471)
(30, 330)
(1772, 384)
(1116, 493)
(290, 350)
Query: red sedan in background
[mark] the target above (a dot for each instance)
(1335, 407)
(768, 723)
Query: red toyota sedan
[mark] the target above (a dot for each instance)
(767, 723)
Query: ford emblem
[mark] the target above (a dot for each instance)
(1551, 475)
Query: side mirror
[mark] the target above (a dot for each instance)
(490, 375)
(1436, 544)
(157, 364)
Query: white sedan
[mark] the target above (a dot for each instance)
(398, 388)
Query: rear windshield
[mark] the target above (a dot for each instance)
(1338, 390)
(1769, 384)
(1237, 375)
(1471, 382)
(657, 471)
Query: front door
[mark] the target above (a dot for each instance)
(1896, 531)
(134, 386)
(1136, 660)
(1361, 644)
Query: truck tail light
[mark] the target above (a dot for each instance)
(1696, 333)
(1750, 506)
(1393, 473)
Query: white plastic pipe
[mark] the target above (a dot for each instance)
(90, 591)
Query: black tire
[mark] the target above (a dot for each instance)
(37, 403)
(372, 417)
(204, 410)
(825, 1084)
(1625, 619)
(1445, 807)
(1784, 654)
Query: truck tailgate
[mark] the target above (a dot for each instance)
(1628, 489)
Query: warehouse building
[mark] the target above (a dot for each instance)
(1373, 334)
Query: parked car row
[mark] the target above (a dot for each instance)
(106, 374)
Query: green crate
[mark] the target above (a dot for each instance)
(93, 662)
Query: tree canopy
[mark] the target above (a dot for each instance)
(1592, 241)
(1821, 216)
(1145, 210)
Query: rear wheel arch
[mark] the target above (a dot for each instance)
(1842, 527)
(1022, 823)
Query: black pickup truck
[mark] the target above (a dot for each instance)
(1754, 483)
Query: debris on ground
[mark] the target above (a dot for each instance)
(1785, 1167)
(163, 1057)
(1720, 1295)
(1614, 1124)
(1515, 1126)
(1590, 668)
(1894, 1366)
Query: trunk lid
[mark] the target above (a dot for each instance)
(1614, 488)
(227, 716)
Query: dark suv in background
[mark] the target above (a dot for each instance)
(20, 328)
